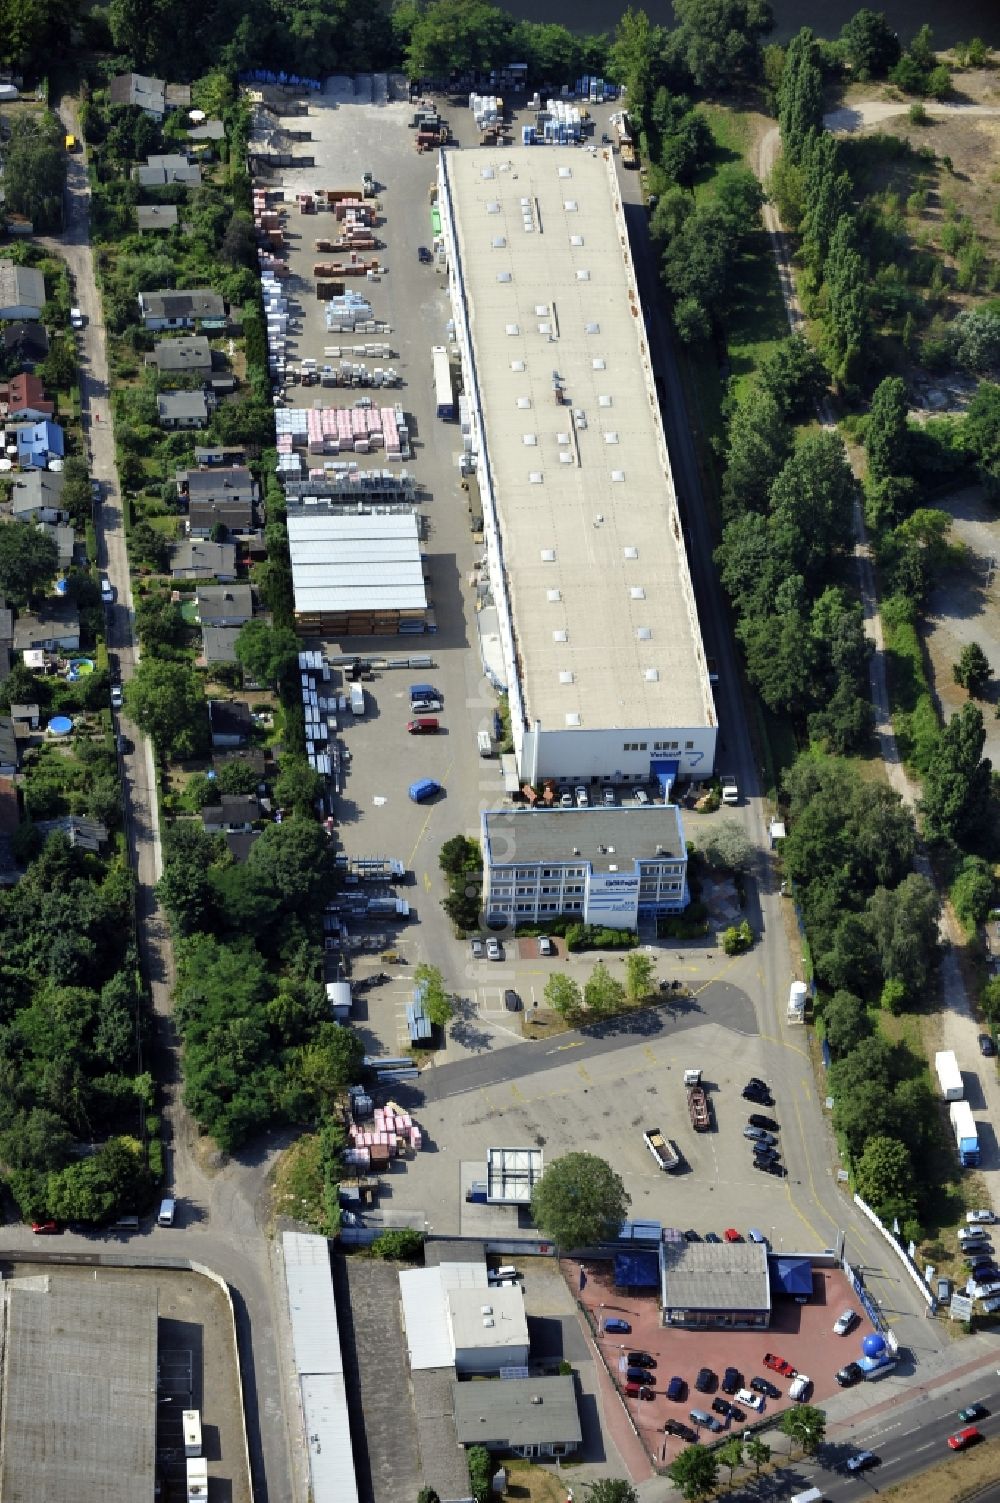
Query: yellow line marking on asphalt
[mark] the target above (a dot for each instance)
(650, 1054)
(430, 811)
(515, 1091)
(584, 1073)
(427, 881)
(812, 1183)
(560, 1047)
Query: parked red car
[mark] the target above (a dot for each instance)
(639, 1391)
(732, 1235)
(44, 1228)
(779, 1365)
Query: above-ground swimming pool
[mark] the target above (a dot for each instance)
(60, 725)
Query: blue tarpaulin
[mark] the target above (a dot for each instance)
(791, 1275)
(637, 1270)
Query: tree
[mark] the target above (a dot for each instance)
(459, 855)
(982, 434)
(972, 892)
(330, 1062)
(639, 970)
(602, 992)
(579, 1202)
(806, 1425)
(28, 561)
(161, 627)
(402, 1245)
(957, 784)
(886, 436)
(563, 995)
(456, 36)
(480, 1472)
(800, 94)
(634, 57)
(147, 546)
(730, 1454)
(846, 1022)
(293, 860)
(239, 243)
(718, 42)
(871, 46)
(695, 1471)
(794, 374)
(975, 338)
(903, 923)
(297, 786)
(428, 1495)
(611, 1490)
(972, 670)
(884, 1173)
(812, 503)
(35, 168)
(437, 1003)
(758, 1453)
(759, 443)
(846, 326)
(728, 846)
(266, 653)
(166, 703)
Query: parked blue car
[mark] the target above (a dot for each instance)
(619, 1327)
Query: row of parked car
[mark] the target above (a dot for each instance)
(983, 1282)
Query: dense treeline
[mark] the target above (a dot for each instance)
(72, 1101)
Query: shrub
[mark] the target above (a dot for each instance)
(737, 939)
(919, 115)
(402, 1244)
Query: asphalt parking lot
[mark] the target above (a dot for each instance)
(801, 1334)
(604, 1103)
(375, 816)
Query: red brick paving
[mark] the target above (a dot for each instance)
(803, 1334)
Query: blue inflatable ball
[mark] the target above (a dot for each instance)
(873, 1345)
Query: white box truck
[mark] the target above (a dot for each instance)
(949, 1075)
(798, 996)
(357, 699)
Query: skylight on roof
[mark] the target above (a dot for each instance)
(529, 439)
(611, 438)
(486, 172)
(548, 555)
(605, 401)
(560, 636)
(570, 206)
(504, 276)
(535, 477)
(594, 329)
(499, 242)
(565, 676)
(513, 328)
(565, 172)
(524, 402)
(517, 365)
(637, 592)
(631, 552)
(644, 633)
(598, 364)
(652, 675)
(553, 596)
(576, 239)
(583, 275)
(573, 718)
(617, 476)
(493, 207)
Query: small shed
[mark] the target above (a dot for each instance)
(338, 994)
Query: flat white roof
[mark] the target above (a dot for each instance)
(482, 1320)
(424, 1295)
(595, 565)
(346, 563)
(319, 1365)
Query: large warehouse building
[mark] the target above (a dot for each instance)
(358, 574)
(602, 648)
(79, 1391)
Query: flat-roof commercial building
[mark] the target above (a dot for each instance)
(357, 575)
(715, 1284)
(602, 646)
(523, 1416)
(79, 1380)
(603, 866)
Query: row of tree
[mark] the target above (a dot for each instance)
(73, 1094)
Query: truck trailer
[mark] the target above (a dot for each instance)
(698, 1111)
(966, 1137)
(949, 1075)
(661, 1148)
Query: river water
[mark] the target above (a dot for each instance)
(960, 19)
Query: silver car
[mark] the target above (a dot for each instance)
(582, 797)
(494, 950)
(477, 949)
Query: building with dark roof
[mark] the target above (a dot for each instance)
(199, 558)
(176, 309)
(519, 1416)
(234, 811)
(147, 94)
(181, 409)
(27, 340)
(218, 644)
(230, 722)
(715, 1284)
(190, 355)
(225, 605)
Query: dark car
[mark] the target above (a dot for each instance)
(690, 1236)
(637, 1375)
(771, 1166)
(861, 1461)
(766, 1387)
(973, 1412)
(424, 256)
(986, 1045)
(732, 1380)
(757, 1119)
(756, 1083)
(124, 745)
(723, 1407)
(512, 1001)
(677, 1390)
(712, 1237)
(114, 668)
(758, 1094)
(678, 1427)
(766, 1151)
(706, 1380)
(849, 1375)
(640, 1359)
(618, 1326)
